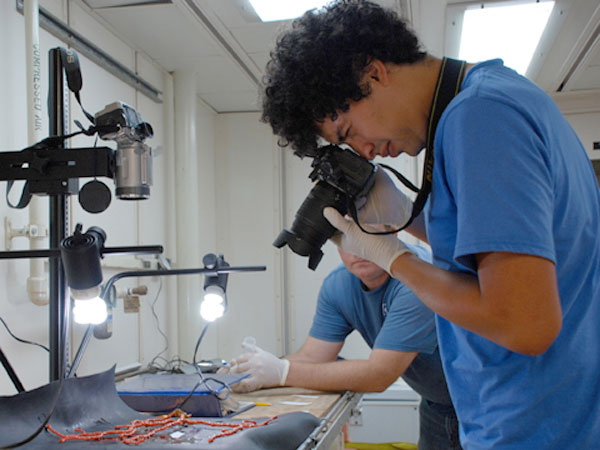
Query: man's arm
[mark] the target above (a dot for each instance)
(316, 351)
(315, 366)
(513, 302)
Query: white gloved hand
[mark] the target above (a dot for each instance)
(266, 370)
(385, 203)
(380, 249)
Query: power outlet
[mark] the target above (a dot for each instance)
(131, 304)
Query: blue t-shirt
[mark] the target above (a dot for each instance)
(390, 317)
(511, 175)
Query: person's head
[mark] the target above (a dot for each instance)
(368, 272)
(318, 67)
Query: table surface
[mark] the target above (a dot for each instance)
(287, 399)
(332, 408)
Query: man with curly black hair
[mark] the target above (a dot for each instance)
(316, 68)
(512, 219)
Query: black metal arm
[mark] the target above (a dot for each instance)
(54, 252)
(45, 168)
(151, 273)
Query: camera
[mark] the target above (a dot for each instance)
(343, 178)
(121, 123)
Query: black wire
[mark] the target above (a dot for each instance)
(204, 380)
(22, 340)
(171, 366)
(11, 372)
(158, 325)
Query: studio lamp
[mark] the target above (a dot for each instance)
(80, 254)
(214, 303)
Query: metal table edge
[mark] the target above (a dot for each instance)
(331, 425)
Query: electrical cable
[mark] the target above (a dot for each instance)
(171, 366)
(11, 372)
(152, 306)
(22, 340)
(204, 380)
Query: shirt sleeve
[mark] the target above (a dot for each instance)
(329, 323)
(409, 325)
(497, 169)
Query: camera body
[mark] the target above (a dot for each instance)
(121, 123)
(343, 178)
(344, 170)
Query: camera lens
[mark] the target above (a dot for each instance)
(310, 229)
(134, 170)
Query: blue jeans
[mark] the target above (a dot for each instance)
(438, 427)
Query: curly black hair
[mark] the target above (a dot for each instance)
(316, 66)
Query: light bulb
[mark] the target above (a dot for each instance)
(90, 311)
(86, 294)
(213, 304)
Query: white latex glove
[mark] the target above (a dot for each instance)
(380, 249)
(266, 370)
(385, 203)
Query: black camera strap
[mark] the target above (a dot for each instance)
(447, 87)
(70, 65)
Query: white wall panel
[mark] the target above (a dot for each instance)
(247, 188)
(155, 222)
(586, 127)
(207, 226)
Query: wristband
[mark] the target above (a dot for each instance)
(398, 253)
(284, 374)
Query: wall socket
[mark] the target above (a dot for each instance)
(131, 304)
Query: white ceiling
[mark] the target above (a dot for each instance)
(227, 46)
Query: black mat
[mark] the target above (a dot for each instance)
(92, 404)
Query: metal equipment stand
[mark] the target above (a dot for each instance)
(58, 226)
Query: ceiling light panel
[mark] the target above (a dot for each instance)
(507, 30)
(271, 10)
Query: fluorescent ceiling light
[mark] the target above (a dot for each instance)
(271, 10)
(509, 30)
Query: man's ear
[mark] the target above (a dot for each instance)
(376, 71)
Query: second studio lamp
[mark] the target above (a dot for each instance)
(80, 254)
